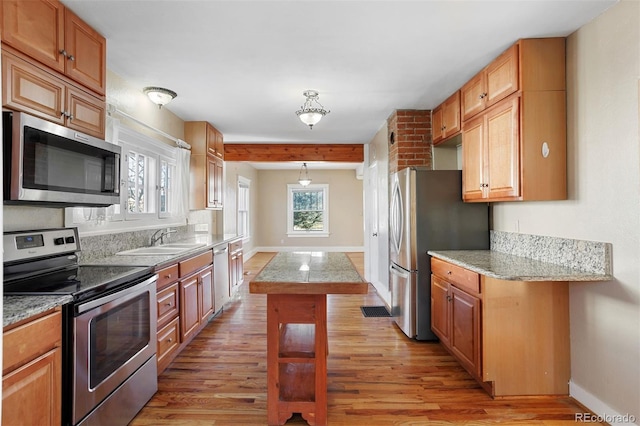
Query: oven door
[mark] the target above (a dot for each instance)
(114, 336)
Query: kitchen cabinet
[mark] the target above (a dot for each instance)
(32, 371)
(185, 296)
(207, 165)
(196, 294)
(511, 336)
(52, 35)
(495, 82)
(236, 266)
(28, 88)
(445, 120)
(515, 149)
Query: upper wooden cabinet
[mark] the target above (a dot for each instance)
(514, 147)
(54, 36)
(445, 120)
(207, 165)
(27, 88)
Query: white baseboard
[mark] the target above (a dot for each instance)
(602, 411)
(292, 248)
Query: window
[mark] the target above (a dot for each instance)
(243, 207)
(152, 191)
(308, 211)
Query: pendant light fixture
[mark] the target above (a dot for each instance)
(303, 179)
(159, 95)
(312, 111)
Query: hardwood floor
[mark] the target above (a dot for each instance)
(376, 375)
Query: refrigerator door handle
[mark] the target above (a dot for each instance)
(399, 272)
(397, 217)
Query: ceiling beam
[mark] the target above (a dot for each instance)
(346, 153)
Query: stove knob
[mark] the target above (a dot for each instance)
(58, 241)
(70, 240)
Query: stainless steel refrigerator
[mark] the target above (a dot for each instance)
(427, 213)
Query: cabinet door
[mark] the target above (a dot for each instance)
(440, 309)
(451, 115)
(189, 315)
(206, 294)
(168, 341)
(36, 29)
(212, 182)
(219, 144)
(473, 171)
(218, 181)
(31, 394)
(86, 54)
(502, 76)
(436, 124)
(167, 304)
(503, 153)
(27, 88)
(465, 329)
(211, 140)
(86, 113)
(472, 96)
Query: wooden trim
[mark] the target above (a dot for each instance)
(348, 153)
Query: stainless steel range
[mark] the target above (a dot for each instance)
(109, 329)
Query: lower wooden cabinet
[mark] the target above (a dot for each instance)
(185, 297)
(32, 372)
(511, 336)
(236, 265)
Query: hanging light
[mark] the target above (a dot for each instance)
(304, 180)
(159, 95)
(312, 111)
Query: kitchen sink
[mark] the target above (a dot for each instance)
(162, 250)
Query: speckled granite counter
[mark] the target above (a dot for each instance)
(309, 273)
(17, 308)
(101, 252)
(515, 268)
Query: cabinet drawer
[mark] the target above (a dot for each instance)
(197, 262)
(168, 338)
(166, 276)
(167, 302)
(456, 275)
(30, 340)
(235, 246)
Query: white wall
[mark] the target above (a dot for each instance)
(603, 70)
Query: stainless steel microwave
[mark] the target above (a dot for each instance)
(49, 164)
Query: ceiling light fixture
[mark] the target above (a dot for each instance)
(159, 95)
(312, 111)
(304, 180)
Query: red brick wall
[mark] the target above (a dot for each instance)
(411, 130)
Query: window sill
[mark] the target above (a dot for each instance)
(307, 234)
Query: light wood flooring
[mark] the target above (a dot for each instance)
(376, 375)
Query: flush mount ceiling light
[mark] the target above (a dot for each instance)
(303, 179)
(159, 95)
(312, 111)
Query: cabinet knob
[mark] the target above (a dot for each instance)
(63, 53)
(449, 299)
(168, 304)
(71, 58)
(167, 276)
(170, 340)
(448, 272)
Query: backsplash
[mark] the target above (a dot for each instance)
(589, 256)
(100, 246)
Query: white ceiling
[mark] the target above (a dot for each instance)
(243, 65)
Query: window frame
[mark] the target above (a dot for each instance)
(244, 182)
(325, 232)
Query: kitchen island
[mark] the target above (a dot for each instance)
(296, 285)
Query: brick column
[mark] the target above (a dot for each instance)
(409, 139)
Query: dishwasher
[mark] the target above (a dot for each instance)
(220, 276)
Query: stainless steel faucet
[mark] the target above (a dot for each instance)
(160, 234)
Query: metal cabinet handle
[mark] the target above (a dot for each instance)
(63, 53)
(71, 58)
(448, 272)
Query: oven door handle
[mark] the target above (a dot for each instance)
(138, 288)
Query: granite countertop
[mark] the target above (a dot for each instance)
(17, 308)
(208, 241)
(514, 268)
(309, 273)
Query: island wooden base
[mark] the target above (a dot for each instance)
(297, 357)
